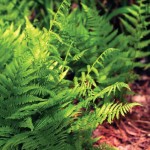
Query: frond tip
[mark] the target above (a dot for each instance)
(110, 111)
(112, 88)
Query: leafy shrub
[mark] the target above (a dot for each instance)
(41, 106)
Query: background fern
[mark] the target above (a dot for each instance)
(136, 25)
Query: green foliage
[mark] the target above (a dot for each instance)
(106, 147)
(135, 22)
(15, 10)
(41, 107)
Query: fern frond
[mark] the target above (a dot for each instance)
(111, 110)
(60, 14)
(111, 88)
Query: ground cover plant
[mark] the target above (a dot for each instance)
(59, 82)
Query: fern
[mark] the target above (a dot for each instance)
(134, 21)
(112, 110)
(41, 107)
(15, 11)
(25, 86)
(60, 14)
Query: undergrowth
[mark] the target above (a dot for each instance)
(58, 84)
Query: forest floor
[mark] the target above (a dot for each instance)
(133, 131)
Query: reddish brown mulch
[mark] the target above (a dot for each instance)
(133, 131)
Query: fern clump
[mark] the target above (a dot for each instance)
(41, 107)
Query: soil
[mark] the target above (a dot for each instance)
(133, 131)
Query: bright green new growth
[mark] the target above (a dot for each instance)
(41, 108)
